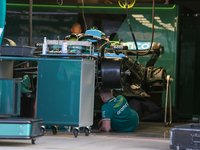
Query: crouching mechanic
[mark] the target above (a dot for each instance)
(116, 113)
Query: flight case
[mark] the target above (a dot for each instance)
(185, 137)
(17, 128)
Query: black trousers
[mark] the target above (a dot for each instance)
(27, 106)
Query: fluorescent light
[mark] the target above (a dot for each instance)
(156, 17)
(138, 16)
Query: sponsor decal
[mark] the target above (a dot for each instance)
(141, 45)
(122, 109)
(119, 103)
(103, 114)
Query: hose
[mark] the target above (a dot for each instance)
(133, 36)
(102, 48)
(84, 16)
(61, 2)
(152, 37)
(30, 21)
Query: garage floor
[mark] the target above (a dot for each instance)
(147, 136)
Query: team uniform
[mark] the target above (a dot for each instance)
(25, 83)
(122, 117)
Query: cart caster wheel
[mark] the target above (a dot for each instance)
(75, 131)
(54, 130)
(42, 131)
(33, 141)
(87, 131)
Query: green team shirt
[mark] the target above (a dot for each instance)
(122, 117)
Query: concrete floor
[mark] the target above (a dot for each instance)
(147, 136)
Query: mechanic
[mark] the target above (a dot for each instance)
(116, 113)
(25, 83)
(28, 97)
(76, 28)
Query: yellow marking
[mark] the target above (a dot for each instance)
(130, 4)
(119, 103)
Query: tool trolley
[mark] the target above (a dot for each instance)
(65, 86)
(65, 93)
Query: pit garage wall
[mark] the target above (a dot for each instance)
(54, 21)
(49, 22)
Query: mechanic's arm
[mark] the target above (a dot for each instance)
(105, 125)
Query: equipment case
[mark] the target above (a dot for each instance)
(185, 137)
(17, 128)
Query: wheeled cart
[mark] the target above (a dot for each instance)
(16, 128)
(65, 93)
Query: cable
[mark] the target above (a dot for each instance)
(152, 32)
(61, 2)
(30, 21)
(102, 48)
(131, 29)
(148, 50)
(84, 16)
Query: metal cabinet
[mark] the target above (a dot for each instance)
(65, 91)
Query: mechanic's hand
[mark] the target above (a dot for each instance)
(100, 123)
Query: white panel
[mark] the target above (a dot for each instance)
(87, 93)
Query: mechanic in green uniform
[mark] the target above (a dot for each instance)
(116, 113)
(28, 101)
(25, 84)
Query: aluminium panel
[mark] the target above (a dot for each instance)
(87, 92)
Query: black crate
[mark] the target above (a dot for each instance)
(17, 50)
(185, 137)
